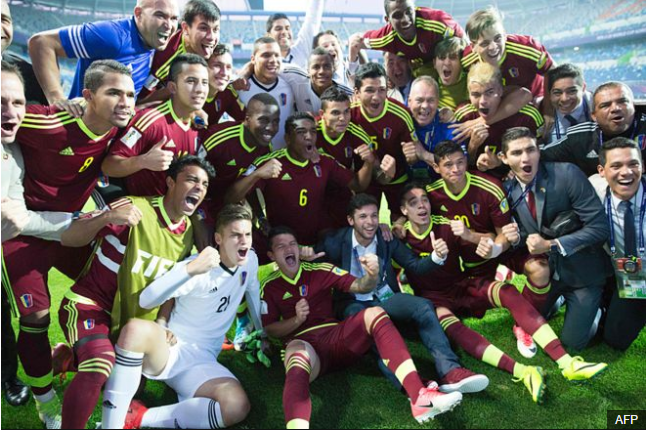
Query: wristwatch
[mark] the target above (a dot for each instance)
(553, 247)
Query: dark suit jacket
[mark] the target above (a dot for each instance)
(338, 246)
(561, 187)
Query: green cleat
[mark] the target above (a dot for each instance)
(50, 413)
(533, 378)
(579, 370)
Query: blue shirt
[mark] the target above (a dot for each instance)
(107, 40)
(430, 136)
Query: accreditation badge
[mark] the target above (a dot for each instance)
(630, 274)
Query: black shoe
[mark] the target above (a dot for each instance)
(16, 393)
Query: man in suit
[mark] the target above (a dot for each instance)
(345, 247)
(540, 195)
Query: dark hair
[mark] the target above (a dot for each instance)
(263, 98)
(206, 8)
(317, 52)
(447, 147)
(291, 122)
(95, 74)
(262, 41)
(219, 50)
(414, 185)
(359, 201)
(176, 65)
(274, 17)
(387, 2)
(8, 67)
(179, 164)
(322, 33)
(278, 231)
(617, 142)
(368, 71)
(609, 85)
(231, 213)
(449, 46)
(334, 94)
(566, 70)
(516, 133)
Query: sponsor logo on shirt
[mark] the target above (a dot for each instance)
(287, 296)
(67, 151)
(232, 162)
(286, 177)
(444, 209)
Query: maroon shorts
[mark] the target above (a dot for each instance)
(516, 261)
(80, 320)
(469, 298)
(28, 260)
(341, 345)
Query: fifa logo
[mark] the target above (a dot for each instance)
(151, 266)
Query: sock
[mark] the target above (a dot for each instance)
(525, 315)
(196, 413)
(395, 355)
(36, 356)
(475, 344)
(296, 394)
(121, 387)
(539, 296)
(44, 398)
(95, 364)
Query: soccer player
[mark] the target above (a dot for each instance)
(140, 239)
(59, 176)
(388, 124)
(207, 289)
(613, 115)
(199, 34)
(294, 185)
(454, 295)
(486, 90)
(453, 88)
(411, 32)
(157, 135)
(278, 27)
(298, 309)
(131, 41)
(309, 87)
(232, 147)
(266, 61)
(570, 103)
(222, 97)
(522, 60)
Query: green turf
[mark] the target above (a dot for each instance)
(361, 398)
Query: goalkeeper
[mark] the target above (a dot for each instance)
(207, 289)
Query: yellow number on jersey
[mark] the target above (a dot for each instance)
(303, 197)
(464, 219)
(86, 164)
(374, 143)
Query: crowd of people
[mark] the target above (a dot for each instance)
(183, 199)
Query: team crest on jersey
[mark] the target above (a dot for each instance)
(387, 131)
(218, 105)
(475, 209)
(504, 206)
(514, 72)
(243, 277)
(27, 300)
(318, 170)
(89, 324)
(641, 141)
(348, 152)
(103, 181)
(303, 290)
(339, 271)
(131, 137)
(284, 99)
(422, 48)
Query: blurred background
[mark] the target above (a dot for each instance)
(607, 38)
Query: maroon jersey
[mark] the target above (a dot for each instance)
(482, 206)
(524, 63)
(528, 117)
(62, 159)
(296, 198)
(225, 148)
(161, 65)
(432, 26)
(99, 284)
(147, 128)
(387, 131)
(226, 101)
(342, 148)
(313, 282)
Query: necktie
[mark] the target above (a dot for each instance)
(532, 204)
(629, 233)
(572, 121)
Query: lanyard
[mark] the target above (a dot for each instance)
(632, 136)
(556, 120)
(524, 194)
(642, 217)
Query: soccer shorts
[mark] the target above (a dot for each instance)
(516, 261)
(80, 317)
(188, 368)
(27, 262)
(468, 298)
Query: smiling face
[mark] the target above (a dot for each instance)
(332, 45)
(614, 110)
(284, 251)
(423, 102)
(372, 95)
(336, 116)
(364, 222)
(398, 70)
(7, 26)
(201, 36)
(13, 106)
(566, 95)
(282, 33)
(113, 104)
(417, 207)
(234, 242)
(187, 192)
(267, 62)
(402, 16)
(490, 44)
(156, 21)
(190, 89)
(262, 121)
(622, 171)
(320, 69)
(220, 71)
(452, 168)
(523, 157)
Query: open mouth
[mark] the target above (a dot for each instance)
(291, 260)
(267, 136)
(9, 128)
(527, 169)
(163, 37)
(242, 253)
(626, 182)
(484, 111)
(191, 203)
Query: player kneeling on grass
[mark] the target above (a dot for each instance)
(298, 308)
(207, 289)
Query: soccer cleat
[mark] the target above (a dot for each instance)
(463, 381)
(431, 402)
(525, 343)
(243, 330)
(62, 360)
(533, 378)
(134, 416)
(50, 412)
(579, 370)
